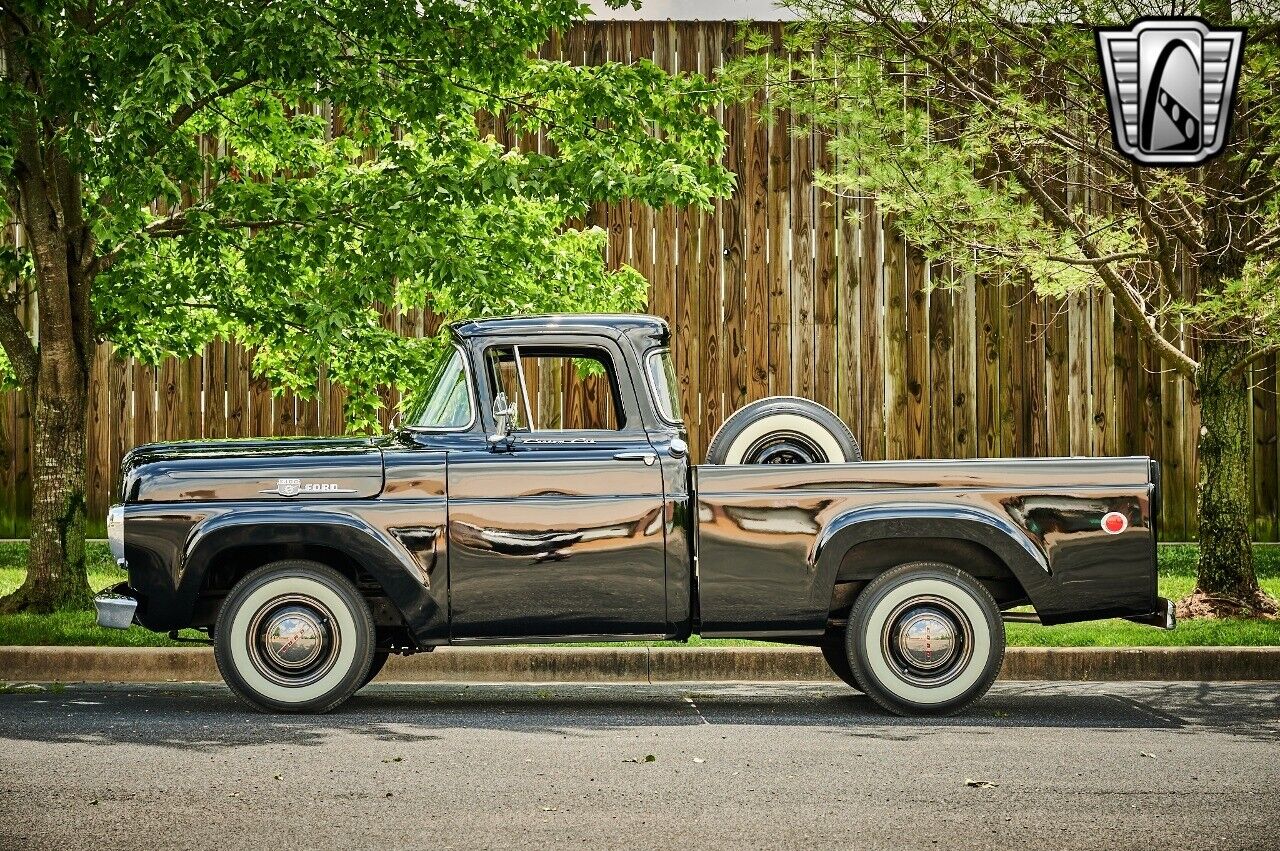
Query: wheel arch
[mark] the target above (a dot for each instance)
(860, 545)
(223, 549)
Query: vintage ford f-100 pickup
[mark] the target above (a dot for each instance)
(484, 520)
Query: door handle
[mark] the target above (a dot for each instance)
(647, 457)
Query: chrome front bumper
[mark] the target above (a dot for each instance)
(115, 610)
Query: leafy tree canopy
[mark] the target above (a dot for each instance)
(982, 127)
(205, 186)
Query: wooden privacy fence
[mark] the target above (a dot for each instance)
(780, 290)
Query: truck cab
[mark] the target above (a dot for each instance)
(568, 515)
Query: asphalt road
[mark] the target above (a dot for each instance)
(1159, 765)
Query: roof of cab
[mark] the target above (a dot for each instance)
(609, 324)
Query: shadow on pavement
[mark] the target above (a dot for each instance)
(209, 718)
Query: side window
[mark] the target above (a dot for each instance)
(557, 387)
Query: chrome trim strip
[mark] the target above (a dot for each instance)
(524, 390)
(562, 639)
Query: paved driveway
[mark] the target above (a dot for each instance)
(1157, 765)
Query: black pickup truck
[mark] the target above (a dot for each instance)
(484, 520)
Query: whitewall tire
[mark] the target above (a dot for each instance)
(783, 430)
(294, 636)
(925, 639)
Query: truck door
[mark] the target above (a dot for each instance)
(561, 534)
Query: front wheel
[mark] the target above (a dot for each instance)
(925, 639)
(294, 636)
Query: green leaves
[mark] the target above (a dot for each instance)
(287, 173)
(981, 127)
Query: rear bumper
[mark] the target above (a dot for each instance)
(1162, 617)
(116, 607)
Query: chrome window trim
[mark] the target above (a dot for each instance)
(472, 405)
(653, 393)
(524, 391)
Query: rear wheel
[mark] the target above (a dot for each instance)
(783, 430)
(925, 639)
(294, 636)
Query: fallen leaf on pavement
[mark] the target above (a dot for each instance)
(979, 784)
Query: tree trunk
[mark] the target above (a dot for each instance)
(56, 576)
(1226, 583)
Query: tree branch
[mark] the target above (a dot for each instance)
(1244, 364)
(1127, 300)
(17, 343)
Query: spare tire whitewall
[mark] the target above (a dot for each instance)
(783, 430)
(925, 638)
(294, 636)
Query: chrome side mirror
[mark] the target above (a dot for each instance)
(504, 414)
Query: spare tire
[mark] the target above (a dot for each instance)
(783, 430)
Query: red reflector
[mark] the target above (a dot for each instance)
(1114, 523)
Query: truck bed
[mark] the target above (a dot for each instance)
(772, 540)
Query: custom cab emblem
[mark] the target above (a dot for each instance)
(293, 487)
(1170, 84)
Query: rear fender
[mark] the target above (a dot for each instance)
(1010, 544)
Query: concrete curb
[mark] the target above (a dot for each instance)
(643, 664)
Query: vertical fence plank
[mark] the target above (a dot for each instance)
(896, 296)
(916, 362)
(848, 371)
(824, 284)
(1058, 378)
(872, 343)
(120, 375)
(690, 282)
(779, 337)
(941, 410)
(964, 375)
(801, 319)
(754, 186)
(712, 258)
(215, 390)
(1078, 363)
(988, 307)
(1103, 349)
(732, 223)
(98, 437)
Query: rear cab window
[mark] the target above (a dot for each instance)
(661, 373)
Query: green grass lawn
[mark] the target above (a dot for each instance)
(1177, 577)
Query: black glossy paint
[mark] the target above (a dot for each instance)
(554, 535)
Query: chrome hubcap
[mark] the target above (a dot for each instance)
(928, 641)
(293, 640)
(294, 637)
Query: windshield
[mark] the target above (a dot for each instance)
(448, 395)
(662, 380)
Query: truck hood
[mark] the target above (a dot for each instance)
(279, 469)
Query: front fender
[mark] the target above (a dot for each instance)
(1011, 544)
(221, 529)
